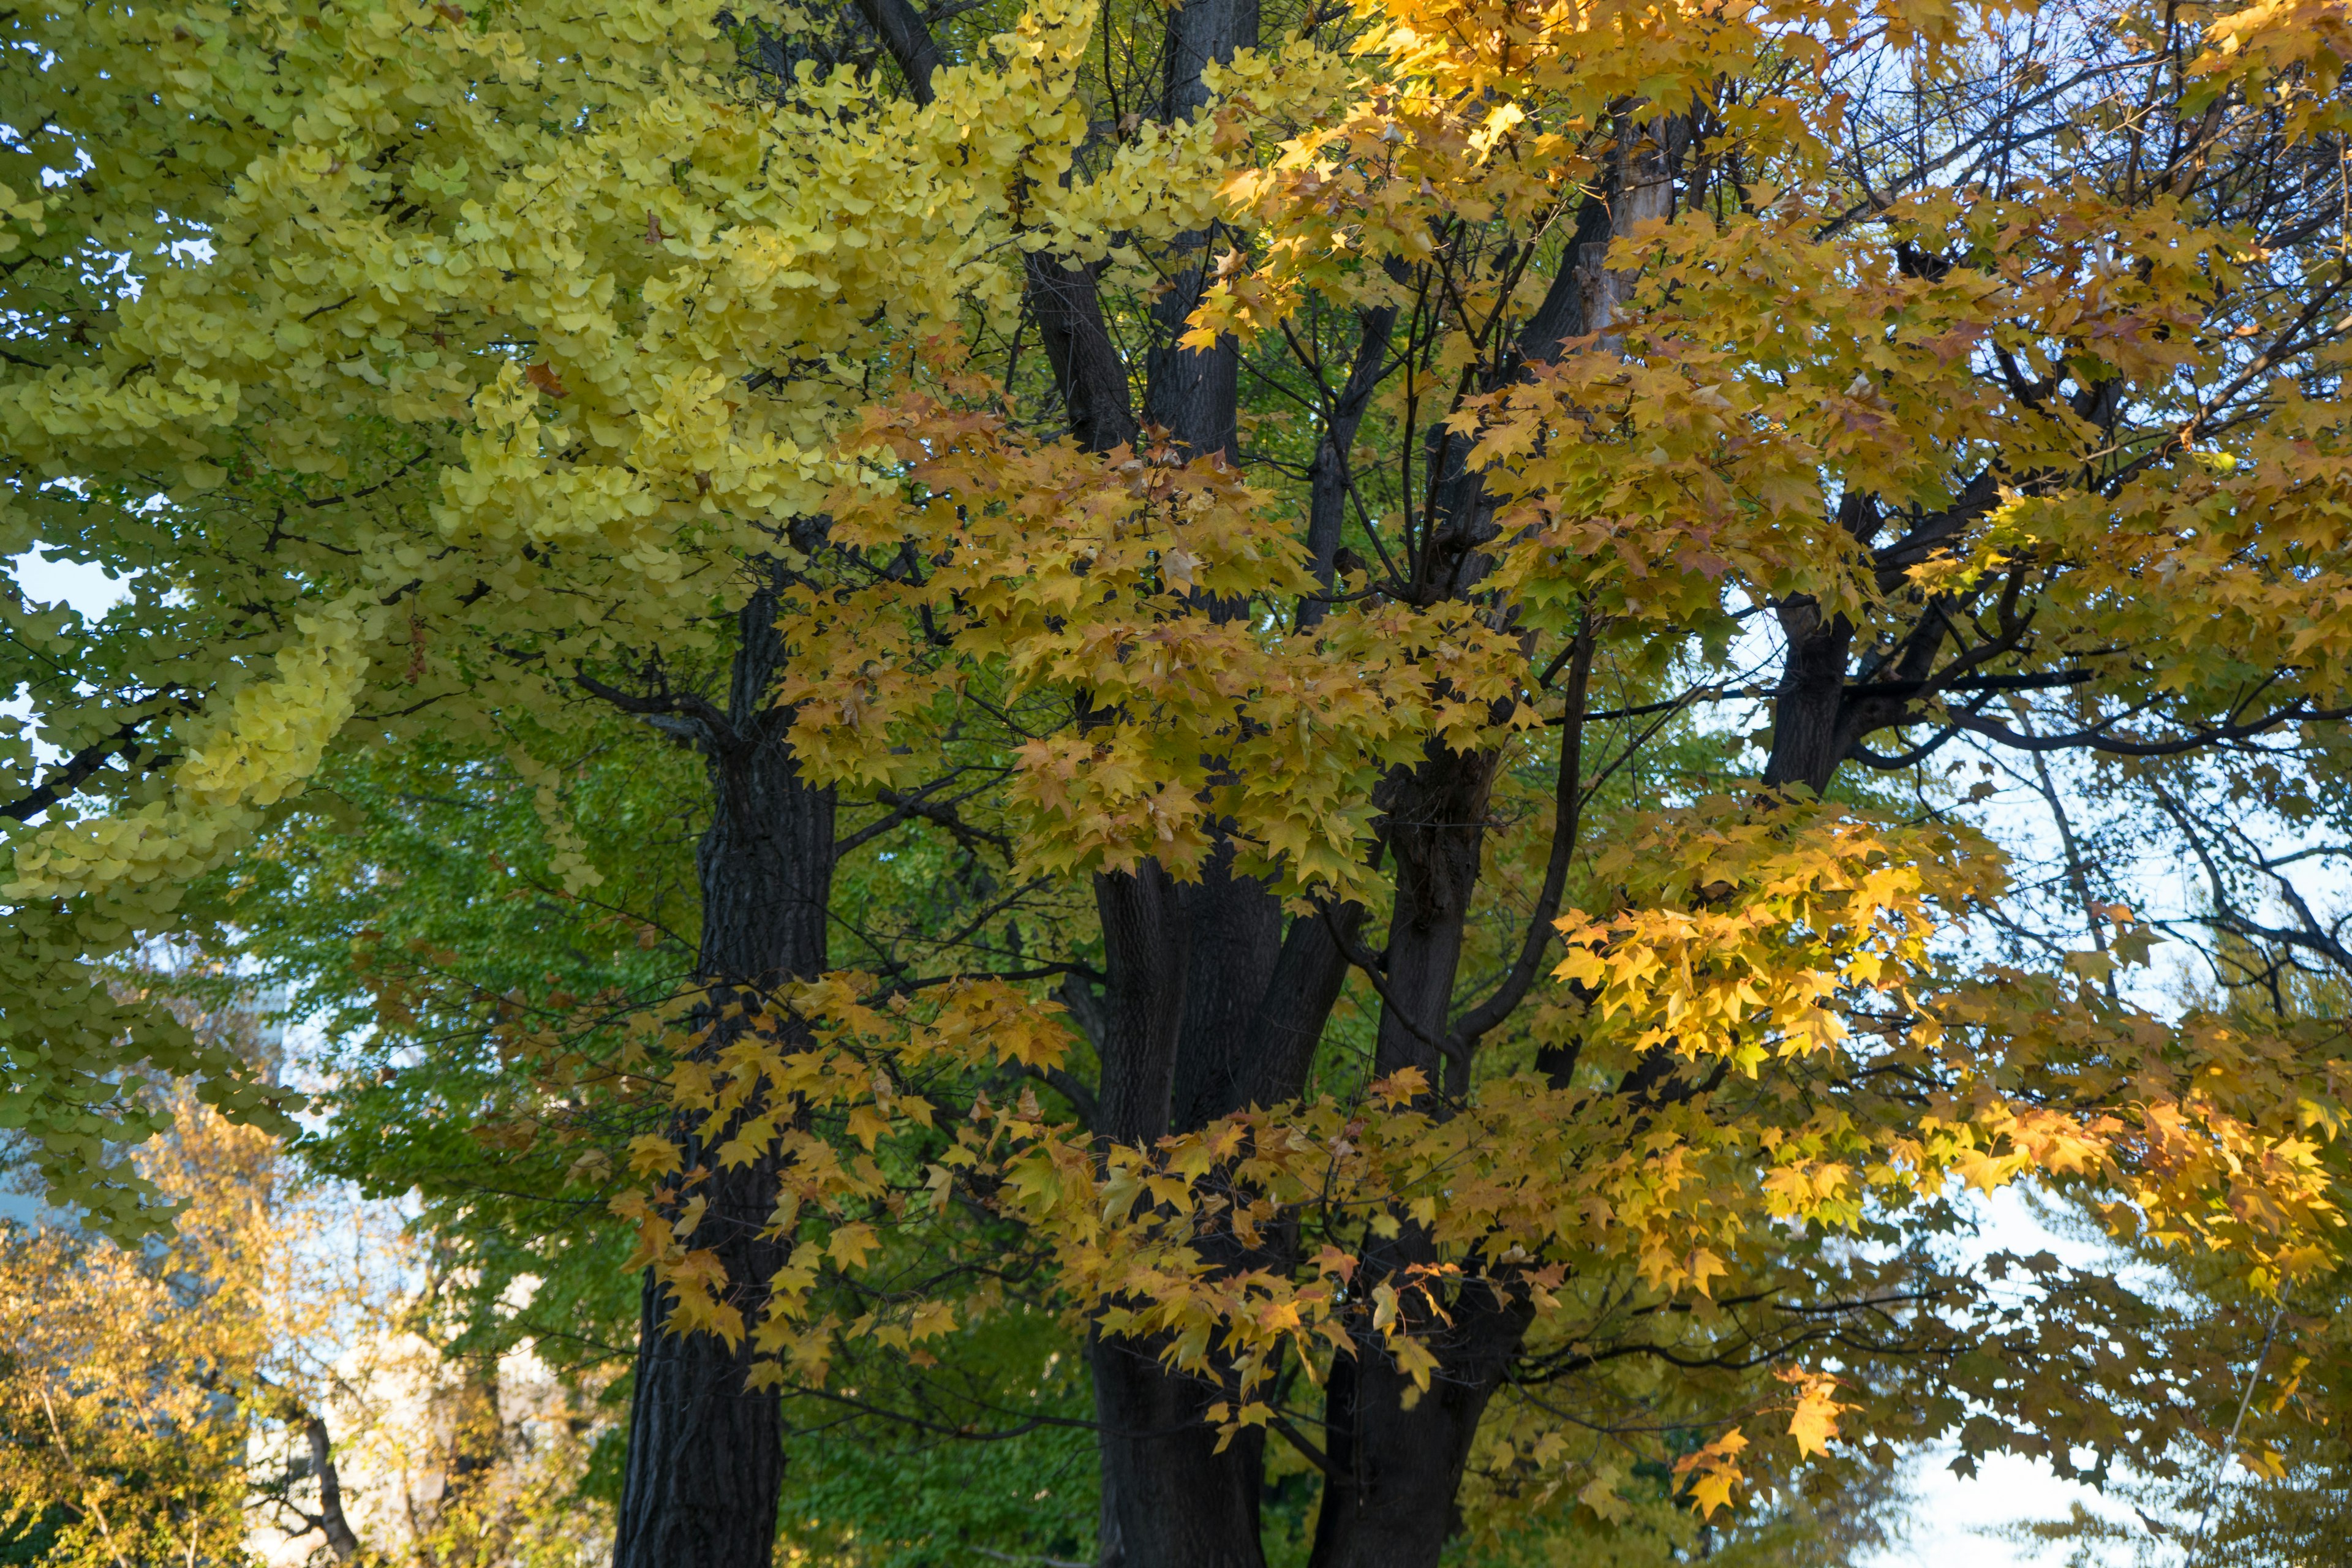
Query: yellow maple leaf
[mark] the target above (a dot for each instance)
(1814, 1421)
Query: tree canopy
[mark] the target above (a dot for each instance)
(1267, 701)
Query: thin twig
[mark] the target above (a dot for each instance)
(2245, 1400)
(73, 1468)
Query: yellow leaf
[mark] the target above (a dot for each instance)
(865, 1125)
(849, 1244)
(651, 1155)
(1814, 1422)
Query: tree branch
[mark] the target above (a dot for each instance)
(1568, 811)
(908, 39)
(83, 764)
(340, 1538)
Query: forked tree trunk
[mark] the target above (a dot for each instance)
(706, 1459)
(1396, 1455)
(1188, 971)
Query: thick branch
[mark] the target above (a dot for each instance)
(82, 765)
(340, 1538)
(688, 715)
(1567, 810)
(908, 40)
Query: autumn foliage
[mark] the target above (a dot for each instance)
(1392, 1012)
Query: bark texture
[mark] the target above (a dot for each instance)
(1186, 967)
(1195, 394)
(705, 1460)
(1187, 970)
(1169, 1498)
(1388, 1500)
(1087, 369)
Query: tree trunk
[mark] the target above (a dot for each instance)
(1234, 928)
(1397, 1452)
(705, 1460)
(1808, 739)
(1088, 370)
(1169, 1498)
(1436, 830)
(1195, 394)
(1187, 972)
(1181, 963)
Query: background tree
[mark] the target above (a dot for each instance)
(254, 1385)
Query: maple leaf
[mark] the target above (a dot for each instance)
(1714, 1471)
(651, 1154)
(865, 1124)
(1813, 1423)
(849, 1244)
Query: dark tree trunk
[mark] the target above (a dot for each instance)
(1146, 943)
(706, 1459)
(1169, 1498)
(1187, 969)
(1434, 832)
(1234, 944)
(1309, 974)
(1390, 1502)
(1185, 966)
(1807, 739)
(1195, 394)
(903, 32)
(1819, 720)
(1087, 369)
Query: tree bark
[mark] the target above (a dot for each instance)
(1169, 1498)
(1808, 741)
(904, 34)
(1145, 949)
(1179, 963)
(1234, 927)
(1397, 1452)
(1087, 369)
(705, 1460)
(1195, 394)
(1187, 970)
(1434, 832)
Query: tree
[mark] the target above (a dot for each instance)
(1909, 371)
(263, 1379)
(117, 1451)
